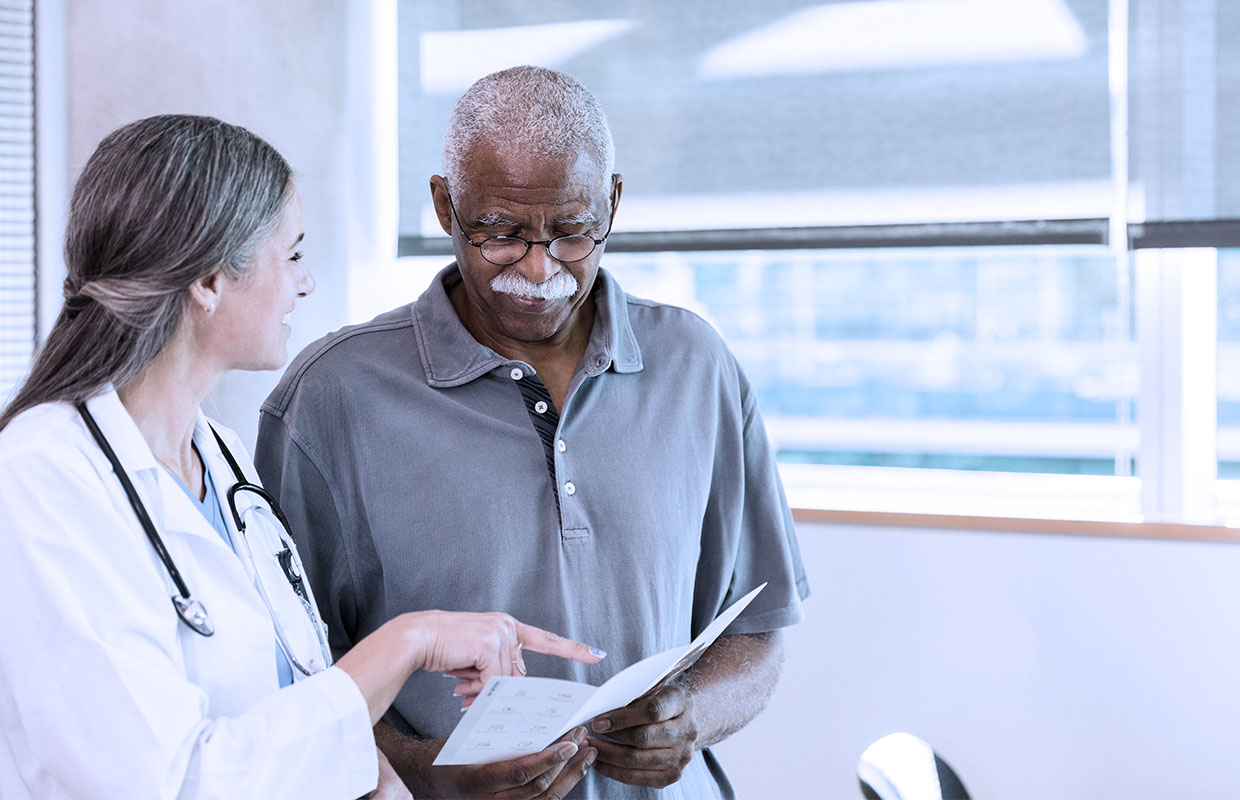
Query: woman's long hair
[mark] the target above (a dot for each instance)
(162, 202)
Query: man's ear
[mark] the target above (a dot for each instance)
(443, 207)
(617, 185)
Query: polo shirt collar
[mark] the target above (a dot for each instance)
(452, 357)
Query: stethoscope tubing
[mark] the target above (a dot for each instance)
(138, 506)
(191, 611)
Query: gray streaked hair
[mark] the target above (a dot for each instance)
(161, 203)
(529, 108)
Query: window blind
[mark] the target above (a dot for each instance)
(17, 193)
(802, 123)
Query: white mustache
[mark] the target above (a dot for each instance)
(558, 286)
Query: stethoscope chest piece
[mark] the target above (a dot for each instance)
(193, 614)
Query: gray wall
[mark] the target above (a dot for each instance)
(277, 67)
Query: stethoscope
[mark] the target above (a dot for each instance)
(191, 611)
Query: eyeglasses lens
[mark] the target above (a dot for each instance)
(571, 248)
(505, 250)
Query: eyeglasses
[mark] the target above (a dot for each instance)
(504, 250)
(269, 548)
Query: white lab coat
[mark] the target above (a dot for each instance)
(104, 692)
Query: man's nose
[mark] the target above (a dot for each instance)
(538, 265)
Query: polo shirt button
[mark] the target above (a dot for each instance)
(517, 374)
(562, 447)
(569, 488)
(540, 407)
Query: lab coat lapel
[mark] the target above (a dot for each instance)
(223, 477)
(122, 433)
(170, 509)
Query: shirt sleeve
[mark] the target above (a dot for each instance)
(748, 533)
(95, 677)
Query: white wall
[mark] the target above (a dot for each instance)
(1038, 666)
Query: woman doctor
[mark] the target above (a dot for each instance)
(155, 637)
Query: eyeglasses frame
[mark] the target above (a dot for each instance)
(611, 218)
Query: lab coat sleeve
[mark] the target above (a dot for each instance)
(95, 676)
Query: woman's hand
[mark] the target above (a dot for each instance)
(469, 646)
(474, 647)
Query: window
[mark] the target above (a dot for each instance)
(918, 223)
(997, 359)
(17, 260)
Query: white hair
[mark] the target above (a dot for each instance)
(538, 110)
(561, 284)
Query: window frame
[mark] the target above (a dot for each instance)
(1162, 502)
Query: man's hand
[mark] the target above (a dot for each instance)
(547, 775)
(656, 735)
(655, 738)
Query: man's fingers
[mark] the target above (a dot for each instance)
(518, 776)
(636, 764)
(572, 773)
(666, 702)
(649, 737)
(556, 782)
(540, 784)
(541, 641)
(657, 779)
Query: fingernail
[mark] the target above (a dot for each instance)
(590, 759)
(567, 750)
(602, 725)
(457, 694)
(594, 651)
(579, 734)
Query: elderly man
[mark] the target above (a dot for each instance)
(528, 438)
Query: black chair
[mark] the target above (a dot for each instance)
(901, 766)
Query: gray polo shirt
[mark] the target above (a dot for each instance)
(409, 462)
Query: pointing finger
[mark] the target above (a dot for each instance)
(541, 641)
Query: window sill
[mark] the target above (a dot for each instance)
(1063, 505)
(1174, 531)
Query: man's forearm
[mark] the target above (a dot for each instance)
(732, 681)
(410, 757)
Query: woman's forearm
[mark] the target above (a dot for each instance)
(381, 663)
